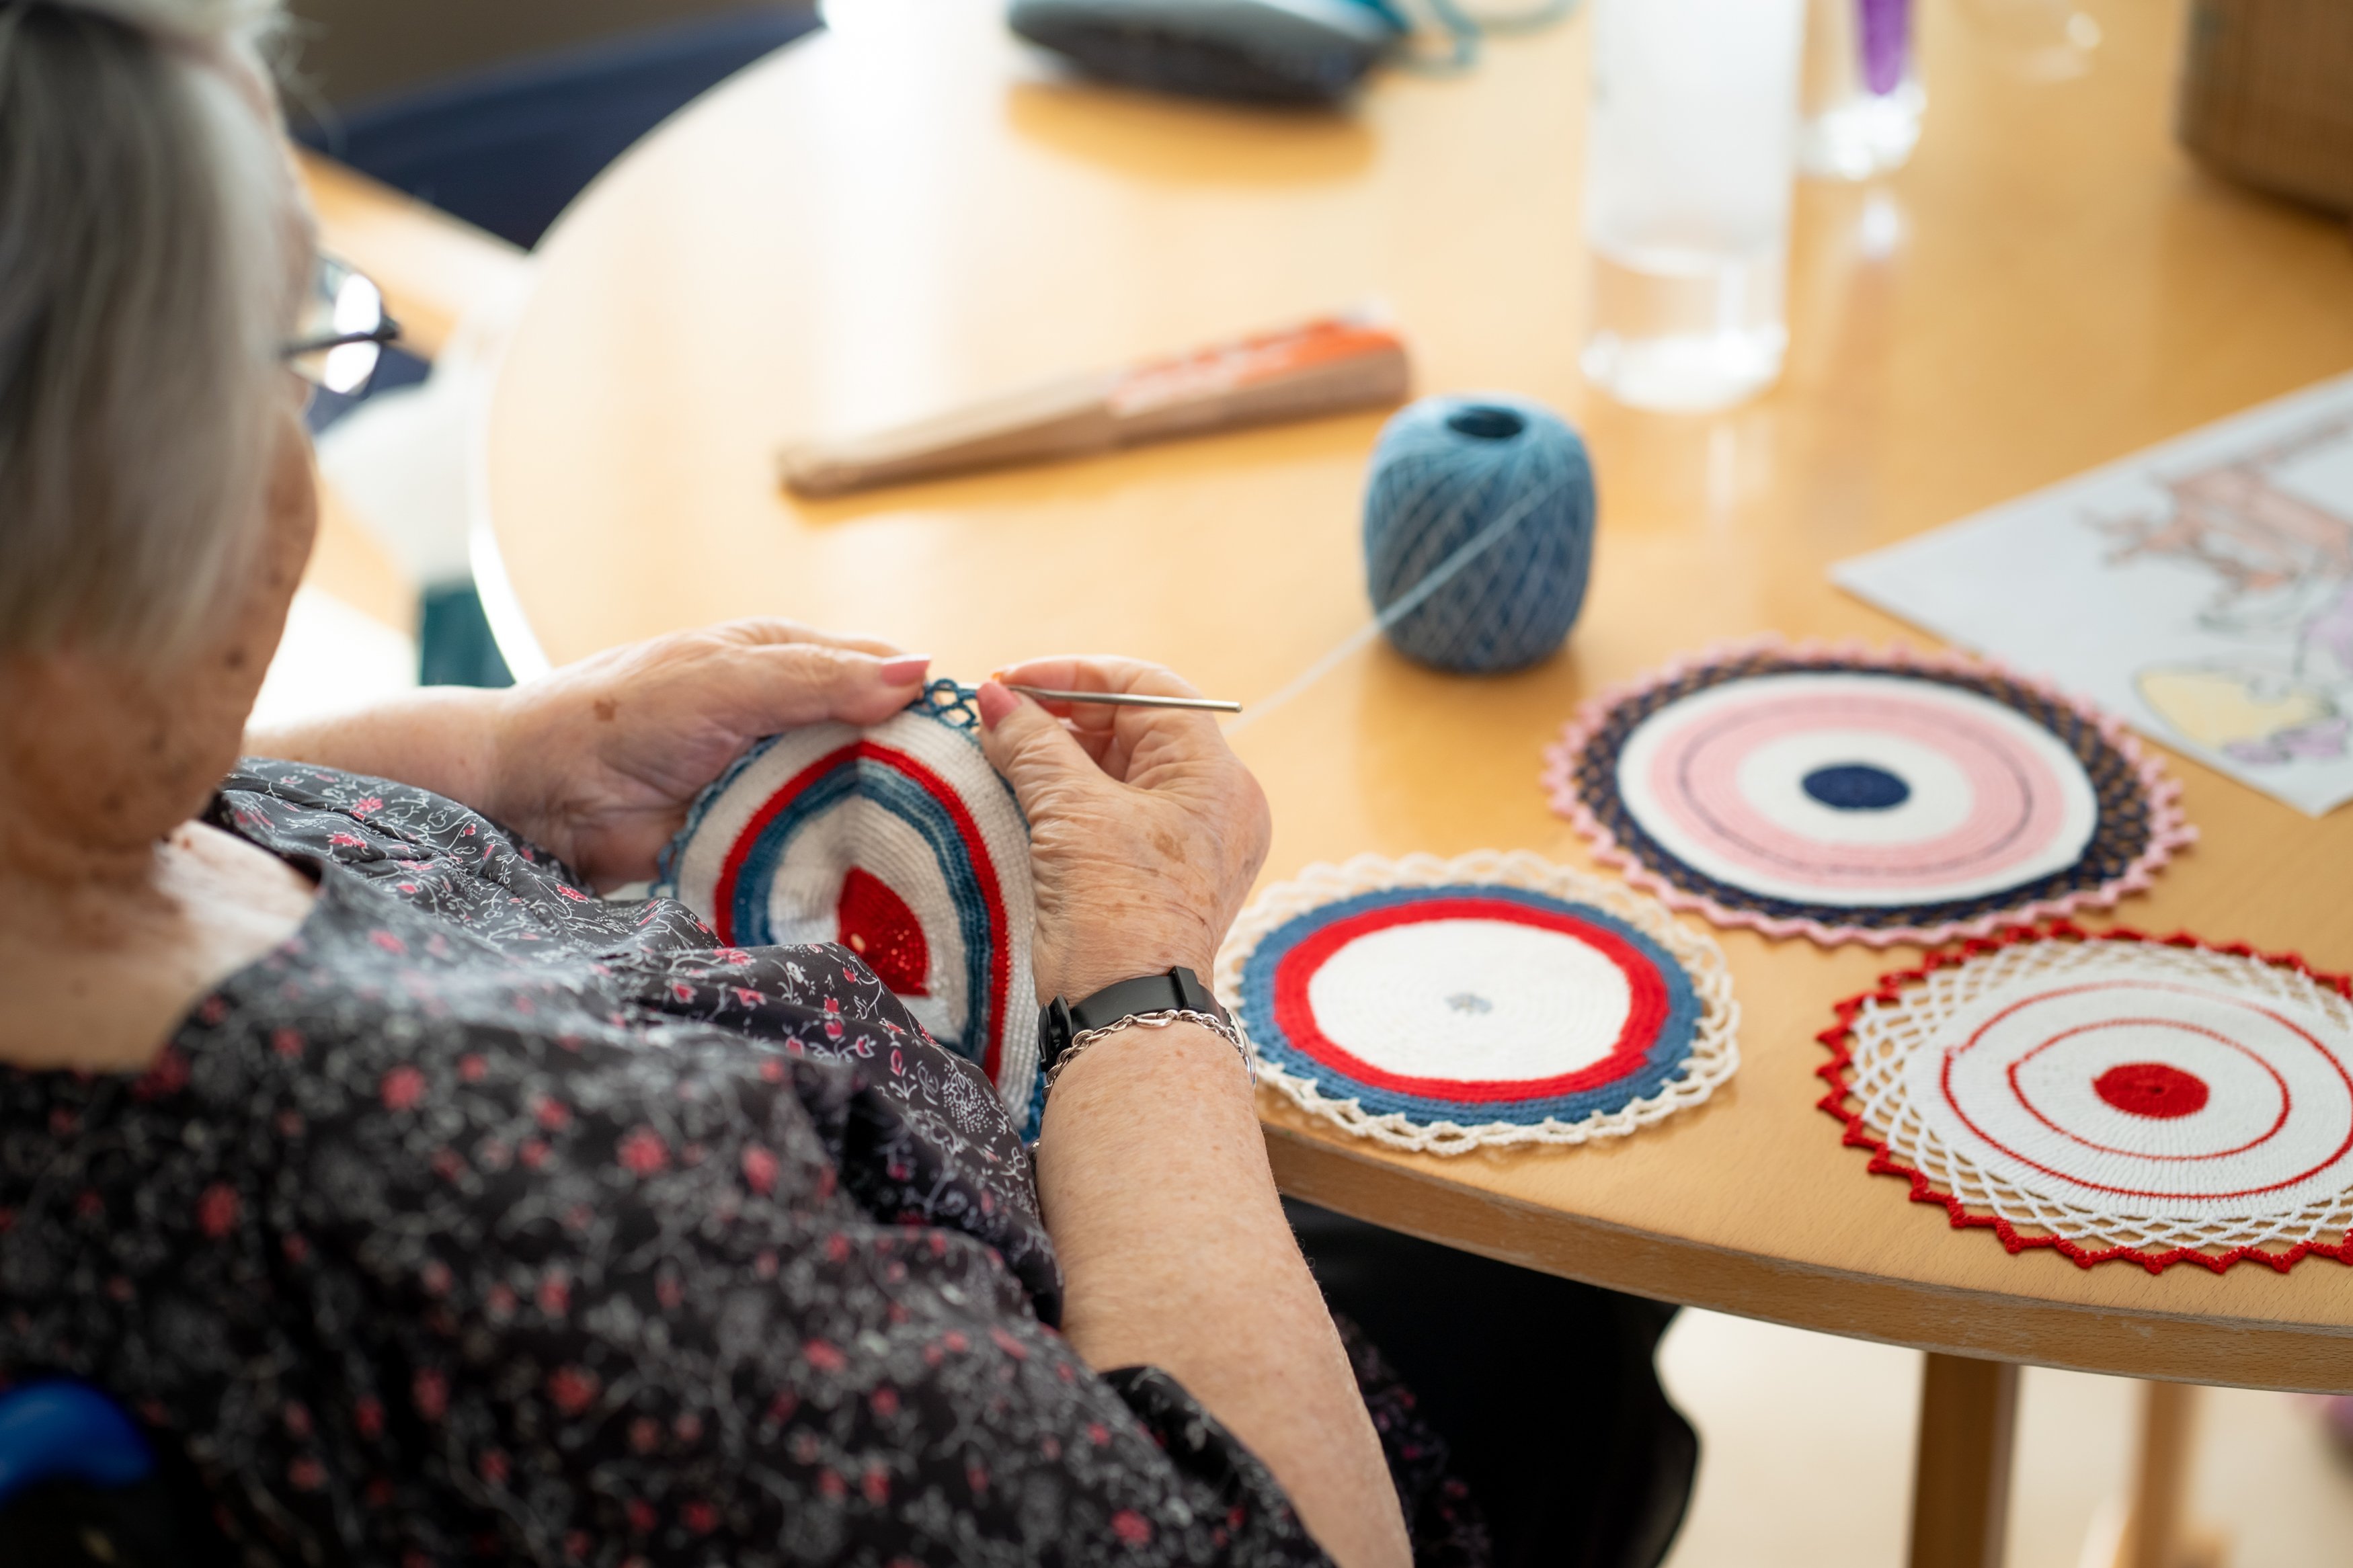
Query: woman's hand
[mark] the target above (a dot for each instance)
(1145, 830)
(1145, 833)
(600, 760)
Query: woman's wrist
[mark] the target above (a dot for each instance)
(522, 788)
(1081, 977)
(1182, 1058)
(1083, 951)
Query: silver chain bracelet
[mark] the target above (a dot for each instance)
(1231, 1033)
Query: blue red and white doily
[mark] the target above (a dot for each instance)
(901, 843)
(2111, 1096)
(1850, 795)
(1494, 999)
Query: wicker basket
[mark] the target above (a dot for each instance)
(2267, 95)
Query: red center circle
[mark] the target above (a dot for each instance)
(876, 924)
(2152, 1090)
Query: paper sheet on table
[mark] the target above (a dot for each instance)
(2202, 588)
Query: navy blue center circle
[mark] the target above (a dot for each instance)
(1856, 787)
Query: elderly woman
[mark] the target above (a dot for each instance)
(432, 1207)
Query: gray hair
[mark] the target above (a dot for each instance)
(150, 255)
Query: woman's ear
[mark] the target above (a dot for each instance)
(250, 640)
(293, 523)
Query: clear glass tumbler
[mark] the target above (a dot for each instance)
(1690, 155)
(1862, 96)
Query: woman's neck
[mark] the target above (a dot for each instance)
(98, 974)
(117, 910)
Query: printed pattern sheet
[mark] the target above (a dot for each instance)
(2203, 588)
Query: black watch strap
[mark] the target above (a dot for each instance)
(1179, 990)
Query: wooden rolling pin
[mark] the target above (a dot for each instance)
(1335, 363)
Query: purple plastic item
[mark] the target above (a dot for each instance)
(1886, 28)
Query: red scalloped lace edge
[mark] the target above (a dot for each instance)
(1840, 1038)
(2169, 828)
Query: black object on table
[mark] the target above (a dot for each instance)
(1262, 51)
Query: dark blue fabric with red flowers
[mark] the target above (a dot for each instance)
(487, 1220)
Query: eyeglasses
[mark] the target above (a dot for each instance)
(341, 331)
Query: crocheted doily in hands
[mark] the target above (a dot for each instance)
(901, 843)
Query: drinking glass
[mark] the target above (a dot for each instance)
(1689, 162)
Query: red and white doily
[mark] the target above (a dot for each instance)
(2111, 1096)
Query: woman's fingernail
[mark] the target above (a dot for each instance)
(907, 667)
(996, 702)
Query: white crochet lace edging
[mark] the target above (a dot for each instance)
(1714, 1053)
(1886, 1030)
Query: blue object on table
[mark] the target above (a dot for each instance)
(1478, 532)
(1266, 52)
(66, 1431)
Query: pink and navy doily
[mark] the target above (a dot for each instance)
(901, 843)
(1852, 795)
(2110, 1095)
(1494, 999)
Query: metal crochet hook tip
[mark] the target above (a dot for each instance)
(1128, 699)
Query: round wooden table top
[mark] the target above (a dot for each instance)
(910, 211)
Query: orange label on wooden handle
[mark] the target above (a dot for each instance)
(1226, 368)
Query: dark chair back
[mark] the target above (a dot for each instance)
(81, 1484)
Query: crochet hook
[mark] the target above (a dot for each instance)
(1128, 699)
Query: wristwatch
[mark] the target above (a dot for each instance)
(1148, 999)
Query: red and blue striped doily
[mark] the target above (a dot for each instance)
(1850, 795)
(901, 843)
(1495, 999)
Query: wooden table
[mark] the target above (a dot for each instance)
(909, 212)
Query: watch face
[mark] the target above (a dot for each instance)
(902, 844)
(1194, 997)
(1054, 1032)
(1178, 990)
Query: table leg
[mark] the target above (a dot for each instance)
(2157, 1531)
(1960, 1482)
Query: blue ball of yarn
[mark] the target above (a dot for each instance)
(1478, 532)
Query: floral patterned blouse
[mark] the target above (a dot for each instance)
(484, 1219)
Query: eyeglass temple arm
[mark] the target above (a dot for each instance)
(384, 332)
